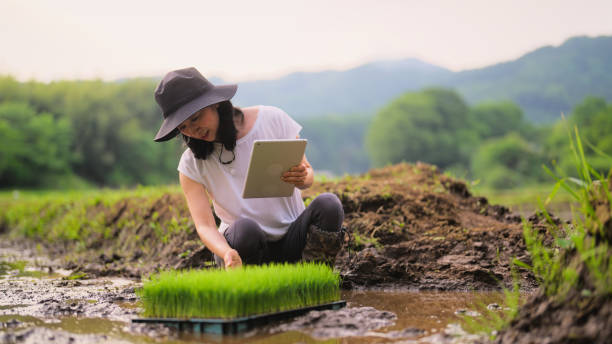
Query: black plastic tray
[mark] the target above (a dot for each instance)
(235, 325)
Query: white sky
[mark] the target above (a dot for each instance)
(254, 39)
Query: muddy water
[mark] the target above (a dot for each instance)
(51, 308)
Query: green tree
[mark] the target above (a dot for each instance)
(113, 125)
(431, 126)
(593, 117)
(34, 147)
(507, 162)
(336, 143)
(496, 119)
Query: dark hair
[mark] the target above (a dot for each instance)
(226, 133)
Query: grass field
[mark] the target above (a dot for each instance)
(52, 215)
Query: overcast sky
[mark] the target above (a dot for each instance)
(255, 39)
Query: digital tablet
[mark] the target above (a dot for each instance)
(269, 160)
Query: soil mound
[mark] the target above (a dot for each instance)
(411, 226)
(408, 226)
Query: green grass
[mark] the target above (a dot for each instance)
(29, 195)
(556, 268)
(68, 215)
(250, 290)
(9, 266)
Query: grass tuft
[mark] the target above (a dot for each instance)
(580, 256)
(217, 293)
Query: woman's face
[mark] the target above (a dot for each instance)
(202, 125)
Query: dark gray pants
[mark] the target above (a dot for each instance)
(247, 237)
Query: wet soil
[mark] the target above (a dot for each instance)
(53, 308)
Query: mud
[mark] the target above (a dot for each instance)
(53, 294)
(44, 335)
(346, 322)
(52, 308)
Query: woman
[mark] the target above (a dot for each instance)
(219, 137)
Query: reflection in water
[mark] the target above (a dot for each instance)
(430, 311)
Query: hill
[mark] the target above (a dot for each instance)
(544, 82)
(359, 90)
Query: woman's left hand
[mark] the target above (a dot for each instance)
(296, 175)
(300, 175)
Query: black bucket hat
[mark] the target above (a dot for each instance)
(183, 92)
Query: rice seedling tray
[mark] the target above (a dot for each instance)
(235, 325)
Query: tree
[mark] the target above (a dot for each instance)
(336, 143)
(507, 162)
(33, 146)
(430, 126)
(593, 118)
(496, 119)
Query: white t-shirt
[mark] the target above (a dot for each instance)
(224, 182)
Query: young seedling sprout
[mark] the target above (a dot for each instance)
(239, 292)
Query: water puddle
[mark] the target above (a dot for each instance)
(427, 310)
(81, 330)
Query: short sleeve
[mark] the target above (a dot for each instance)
(290, 128)
(188, 166)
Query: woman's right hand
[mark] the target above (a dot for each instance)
(232, 259)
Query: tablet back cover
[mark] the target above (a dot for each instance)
(269, 160)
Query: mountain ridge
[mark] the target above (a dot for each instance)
(544, 82)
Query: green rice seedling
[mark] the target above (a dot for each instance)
(216, 293)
